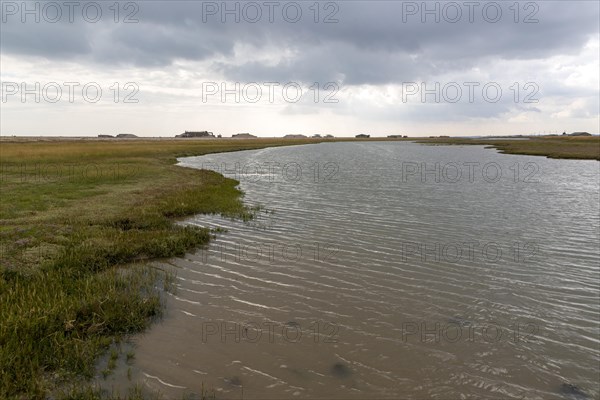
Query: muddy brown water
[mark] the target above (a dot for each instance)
(387, 270)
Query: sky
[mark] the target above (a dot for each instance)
(271, 68)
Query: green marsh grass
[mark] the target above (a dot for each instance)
(79, 220)
(569, 147)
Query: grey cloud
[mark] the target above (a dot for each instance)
(56, 41)
(370, 44)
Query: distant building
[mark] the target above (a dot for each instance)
(190, 134)
(329, 136)
(580, 134)
(362, 136)
(105, 136)
(243, 136)
(294, 137)
(126, 136)
(395, 136)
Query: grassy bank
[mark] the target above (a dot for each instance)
(78, 220)
(571, 147)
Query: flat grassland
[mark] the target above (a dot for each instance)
(572, 147)
(73, 214)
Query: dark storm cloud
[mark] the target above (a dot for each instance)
(371, 42)
(159, 46)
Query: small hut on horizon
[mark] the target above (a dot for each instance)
(195, 134)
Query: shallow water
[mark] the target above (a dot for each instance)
(376, 271)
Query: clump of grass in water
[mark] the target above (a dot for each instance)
(112, 363)
(218, 229)
(169, 282)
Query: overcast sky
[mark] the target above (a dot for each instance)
(273, 68)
